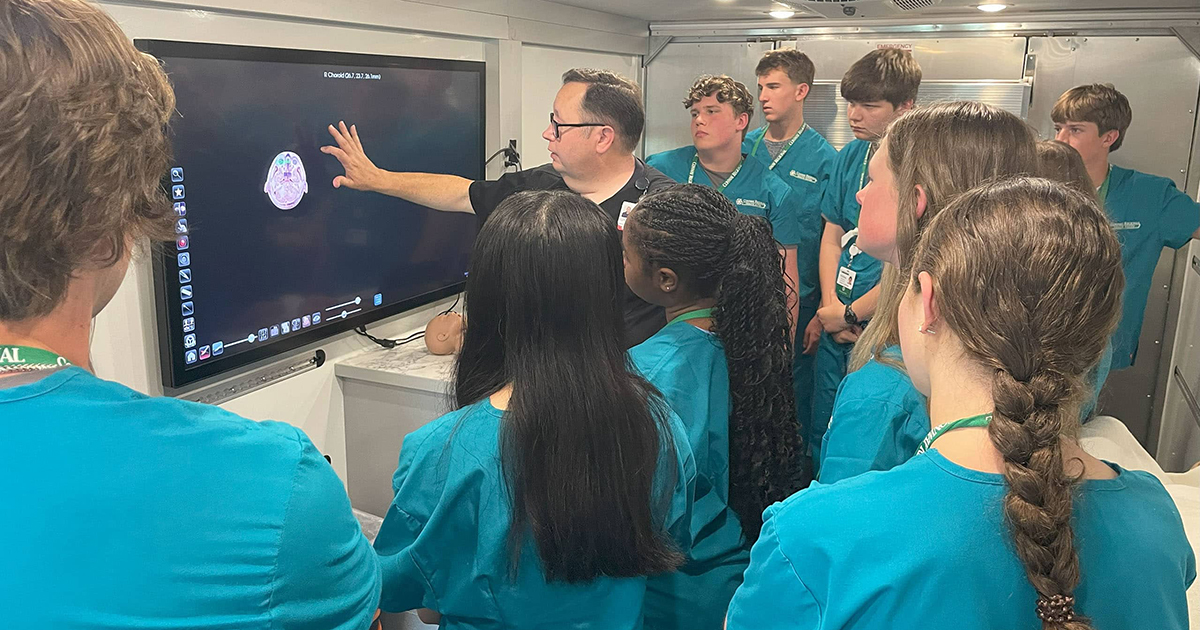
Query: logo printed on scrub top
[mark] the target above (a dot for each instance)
(804, 176)
(1127, 225)
(11, 355)
(753, 203)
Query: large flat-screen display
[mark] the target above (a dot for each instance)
(269, 256)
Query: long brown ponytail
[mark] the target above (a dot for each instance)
(1028, 276)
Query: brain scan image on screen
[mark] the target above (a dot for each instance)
(286, 181)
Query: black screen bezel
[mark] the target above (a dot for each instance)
(175, 373)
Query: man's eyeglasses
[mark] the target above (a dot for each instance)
(557, 126)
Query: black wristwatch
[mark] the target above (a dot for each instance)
(851, 318)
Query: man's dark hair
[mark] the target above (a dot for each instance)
(613, 100)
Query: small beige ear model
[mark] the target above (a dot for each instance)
(444, 334)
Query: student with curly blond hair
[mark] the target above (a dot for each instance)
(721, 108)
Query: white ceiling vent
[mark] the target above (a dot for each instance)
(842, 9)
(914, 5)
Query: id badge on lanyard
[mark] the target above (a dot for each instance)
(845, 282)
(846, 276)
(624, 216)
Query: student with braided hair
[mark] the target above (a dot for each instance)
(724, 364)
(1002, 521)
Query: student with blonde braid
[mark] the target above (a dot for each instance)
(1002, 521)
(934, 153)
(724, 364)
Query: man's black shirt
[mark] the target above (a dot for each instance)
(642, 319)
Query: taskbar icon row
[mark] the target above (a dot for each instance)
(193, 355)
(203, 353)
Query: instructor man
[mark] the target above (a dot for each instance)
(594, 127)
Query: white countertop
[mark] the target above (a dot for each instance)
(410, 366)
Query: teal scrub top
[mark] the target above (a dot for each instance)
(1148, 213)
(806, 167)
(125, 511)
(688, 366)
(444, 541)
(879, 420)
(924, 546)
(755, 191)
(839, 206)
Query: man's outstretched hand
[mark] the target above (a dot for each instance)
(361, 173)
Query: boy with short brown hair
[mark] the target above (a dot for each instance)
(1148, 212)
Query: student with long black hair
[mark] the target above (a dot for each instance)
(563, 480)
(724, 364)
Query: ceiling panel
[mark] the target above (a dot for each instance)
(724, 10)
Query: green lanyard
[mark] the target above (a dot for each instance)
(721, 188)
(690, 315)
(973, 421)
(1102, 193)
(782, 153)
(862, 179)
(26, 359)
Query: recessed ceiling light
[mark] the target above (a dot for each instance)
(992, 8)
(782, 14)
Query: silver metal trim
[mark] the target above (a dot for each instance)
(1075, 22)
(1188, 396)
(655, 45)
(1190, 36)
(247, 383)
